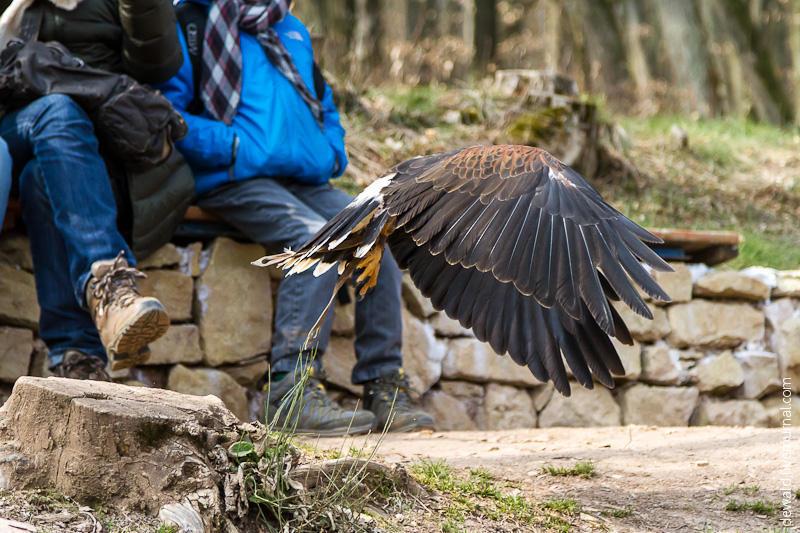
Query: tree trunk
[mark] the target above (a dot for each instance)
(686, 47)
(485, 33)
(637, 62)
(367, 40)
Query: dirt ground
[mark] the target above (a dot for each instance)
(672, 479)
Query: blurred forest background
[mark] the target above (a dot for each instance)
(707, 57)
(684, 113)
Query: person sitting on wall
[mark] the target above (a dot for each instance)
(86, 284)
(264, 142)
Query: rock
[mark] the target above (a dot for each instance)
(779, 311)
(125, 447)
(174, 289)
(727, 284)
(473, 360)
(788, 284)
(542, 395)
(680, 139)
(15, 250)
(16, 347)
(713, 412)
(462, 389)
(782, 410)
(447, 327)
(678, 284)
(344, 319)
(657, 406)
(18, 305)
(338, 362)
(787, 343)
(584, 408)
(181, 344)
(40, 362)
(247, 373)
(690, 355)
(507, 407)
(718, 373)
(420, 306)
(714, 325)
(661, 365)
(190, 259)
(450, 413)
(165, 257)
(631, 357)
(422, 353)
(233, 304)
(641, 328)
(761, 373)
(209, 381)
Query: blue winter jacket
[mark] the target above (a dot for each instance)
(278, 135)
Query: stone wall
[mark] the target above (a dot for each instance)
(718, 354)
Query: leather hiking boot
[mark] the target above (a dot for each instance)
(311, 411)
(126, 320)
(389, 399)
(78, 365)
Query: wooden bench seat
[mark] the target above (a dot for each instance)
(693, 246)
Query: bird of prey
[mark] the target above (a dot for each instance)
(509, 241)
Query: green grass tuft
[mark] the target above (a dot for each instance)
(758, 507)
(562, 505)
(618, 513)
(584, 469)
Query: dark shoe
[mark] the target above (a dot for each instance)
(314, 412)
(389, 399)
(126, 320)
(78, 365)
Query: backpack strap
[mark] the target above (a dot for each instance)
(319, 82)
(192, 18)
(31, 23)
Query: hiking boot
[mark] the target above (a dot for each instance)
(316, 414)
(388, 398)
(126, 320)
(78, 365)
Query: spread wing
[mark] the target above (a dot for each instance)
(510, 242)
(523, 216)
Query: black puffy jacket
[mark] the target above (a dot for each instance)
(135, 37)
(138, 38)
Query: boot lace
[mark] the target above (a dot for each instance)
(117, 285)
(394, 388)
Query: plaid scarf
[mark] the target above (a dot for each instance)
(221, 85)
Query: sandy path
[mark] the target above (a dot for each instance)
(674, 479)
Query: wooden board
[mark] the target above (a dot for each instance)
(693, 246)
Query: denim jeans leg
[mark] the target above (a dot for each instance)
(267, 213)
(63, 324)
(379, 321)
(5, 179)
(59, 135)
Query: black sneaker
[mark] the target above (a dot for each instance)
(78, 365)
(315, 413)
(388, 398)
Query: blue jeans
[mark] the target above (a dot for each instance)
(69, 210)
(281, 213)
(5, 179)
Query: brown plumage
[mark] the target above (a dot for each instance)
(510, 242)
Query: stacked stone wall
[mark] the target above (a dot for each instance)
(725, 351)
